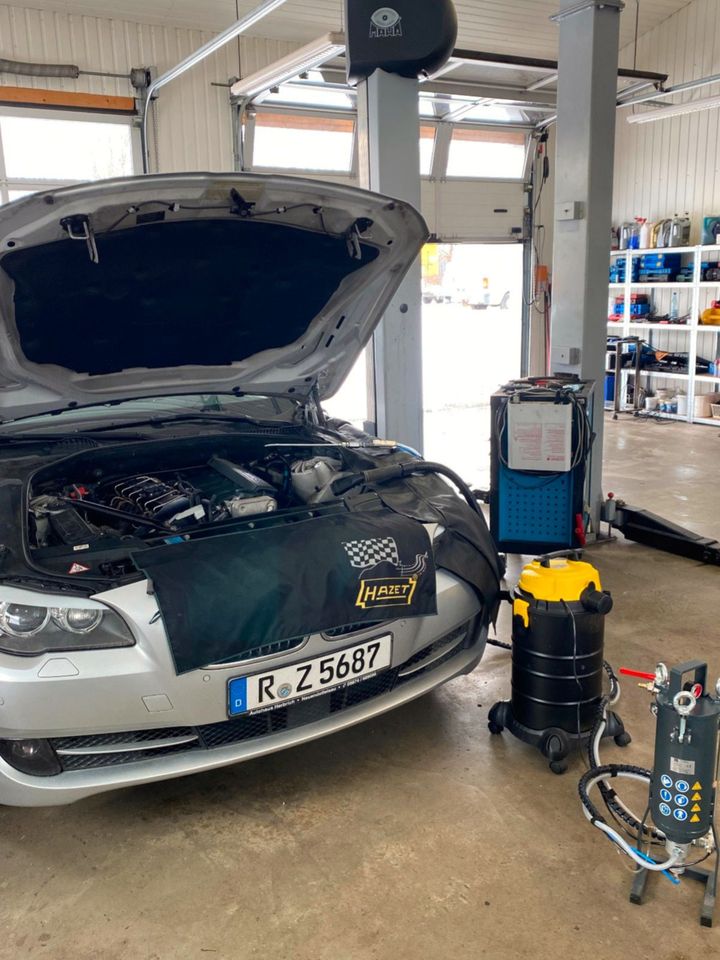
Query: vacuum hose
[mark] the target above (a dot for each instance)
(399, 471)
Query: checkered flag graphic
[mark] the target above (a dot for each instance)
(368, 553)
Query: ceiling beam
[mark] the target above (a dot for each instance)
(535, 65)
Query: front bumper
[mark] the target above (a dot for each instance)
(123, 717)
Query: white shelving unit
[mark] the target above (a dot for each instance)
(697, 340)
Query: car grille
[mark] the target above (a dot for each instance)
(267, 650)
(337, 632)
(113, 749)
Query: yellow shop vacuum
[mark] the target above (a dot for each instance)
(558, 665)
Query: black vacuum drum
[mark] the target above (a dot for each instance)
(558, 636)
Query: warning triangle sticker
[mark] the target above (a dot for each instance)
(696, 808)
(78, 568)
(697, 785)
(697, 796)
(695, 818)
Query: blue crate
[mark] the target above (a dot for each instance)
(672, 261)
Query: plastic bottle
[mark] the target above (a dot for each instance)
(634, 237)
(675, 305)
(645, 233)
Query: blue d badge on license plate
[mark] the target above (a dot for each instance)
(237, 696)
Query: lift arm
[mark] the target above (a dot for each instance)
(645, 527)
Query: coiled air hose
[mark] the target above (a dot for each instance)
(610, 798)
(612, 770)
(599, 775)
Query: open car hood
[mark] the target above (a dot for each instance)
(193, 283)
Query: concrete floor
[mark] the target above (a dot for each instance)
(417, 835)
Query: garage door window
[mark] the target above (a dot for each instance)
(487, 154)
(40, 151)
(427, 149)
(285, 142)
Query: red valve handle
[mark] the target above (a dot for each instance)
(626, 672)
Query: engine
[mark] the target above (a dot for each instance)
(152, 497)
(161, 501)
(218, 491)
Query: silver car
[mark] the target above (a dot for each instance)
(197, 565)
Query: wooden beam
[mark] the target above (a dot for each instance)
(30, 96)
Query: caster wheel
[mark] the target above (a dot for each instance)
(494, 728)
(623, 739)
(558, 766)
(556, 747)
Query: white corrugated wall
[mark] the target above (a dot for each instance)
(193, 116)
(673, 166)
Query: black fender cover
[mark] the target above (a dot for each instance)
(226, 595)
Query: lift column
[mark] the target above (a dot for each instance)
(388, 49)
(585, 153)
(389, 163)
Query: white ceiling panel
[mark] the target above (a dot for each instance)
(501, 26)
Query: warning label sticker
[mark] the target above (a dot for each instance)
(682, 766)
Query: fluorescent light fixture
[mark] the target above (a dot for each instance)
(675, 110)
(309, 57)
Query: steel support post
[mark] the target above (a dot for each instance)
(587, 94)
(389, 163)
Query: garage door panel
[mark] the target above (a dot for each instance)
(480, 210)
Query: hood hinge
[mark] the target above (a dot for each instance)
(78, 227)
(313, 411)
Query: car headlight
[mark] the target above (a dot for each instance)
(29, 629)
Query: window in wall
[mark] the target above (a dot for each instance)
(312, 93)
(287, 142)
(427, 149)
(38, 151)
(487, 154)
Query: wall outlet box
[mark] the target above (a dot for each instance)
(570, 356)
(569, 210)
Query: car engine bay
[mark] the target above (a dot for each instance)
(94, 501)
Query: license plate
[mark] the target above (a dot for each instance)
(286, 685)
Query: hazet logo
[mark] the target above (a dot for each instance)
(386, 592)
